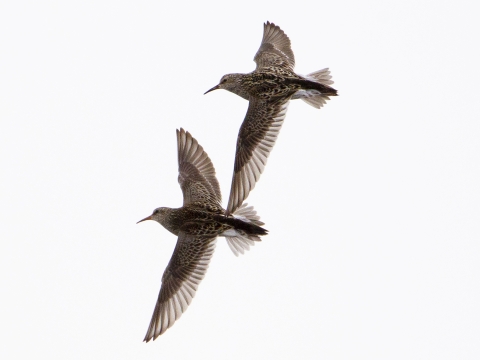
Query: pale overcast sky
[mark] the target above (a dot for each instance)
(372, 203)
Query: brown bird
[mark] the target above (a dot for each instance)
(268, 89)
(197, 224)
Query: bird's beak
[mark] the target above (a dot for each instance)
(213, 88)
(147, 218)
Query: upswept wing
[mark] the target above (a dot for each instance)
(275, 49)
(180, 281)
(196, 174)
(256, 139)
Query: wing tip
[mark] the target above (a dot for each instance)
(270, 25)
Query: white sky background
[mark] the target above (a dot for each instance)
(372, 203)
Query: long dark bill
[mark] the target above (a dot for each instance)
(147, 218)
(213, 88)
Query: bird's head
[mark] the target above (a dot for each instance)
(230, 82)
(158, 215)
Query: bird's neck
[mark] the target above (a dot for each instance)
(239, 88)
(172, 220)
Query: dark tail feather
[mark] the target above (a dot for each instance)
(248, 229)
(318, 80)
(316, 88)
(325, 90)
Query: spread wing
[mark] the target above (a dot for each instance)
(196, 174)
(256, 138)
(180, 281)
(275, 49)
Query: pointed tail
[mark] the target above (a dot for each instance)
(322, 76)
(313, 98)
(242, 240)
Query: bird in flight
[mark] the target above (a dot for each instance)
(197, 224)
(268, 88)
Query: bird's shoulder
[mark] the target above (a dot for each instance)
(269, 74)
(202, 208)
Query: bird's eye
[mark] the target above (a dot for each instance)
(224, 81)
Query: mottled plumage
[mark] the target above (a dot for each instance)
(268, 88)
(197, 224)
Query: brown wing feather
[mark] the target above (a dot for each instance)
(180, 281)
(275, 49)
(256, 139)
(196, 174)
